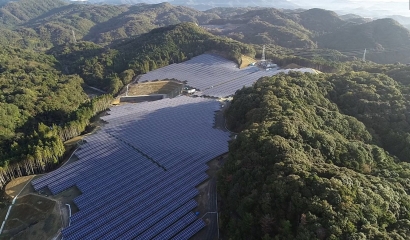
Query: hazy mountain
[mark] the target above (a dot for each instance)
(44, 24)
(350, 16)
(273, 26)
(401, 19)
(205, 5)
(385, 39)
(237, 3)
(375, 9)
(43, 28)
(320, 20)
(17, 12)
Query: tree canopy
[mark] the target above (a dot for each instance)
(306, 165)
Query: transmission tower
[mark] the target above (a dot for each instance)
(364, 55)
(263, 54)
(75, 40)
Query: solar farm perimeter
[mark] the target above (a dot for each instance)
(213, 75)
(138, 174)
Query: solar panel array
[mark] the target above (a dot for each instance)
(229, 88)
(213, 75)
(138, 173)
(201, 72)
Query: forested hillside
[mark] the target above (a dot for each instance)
(322, 156)
(111, 69)
(311, 161)
(37, 27)
(42, 100)
(17, 12)
(386, 40)
(39, 109)
(41, 25)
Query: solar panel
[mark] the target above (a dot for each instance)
(190, 231)
(138, 173)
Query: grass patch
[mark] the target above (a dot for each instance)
(16, 185)
(246, 61)
(159, 87)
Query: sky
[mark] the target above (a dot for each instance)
(384, 1)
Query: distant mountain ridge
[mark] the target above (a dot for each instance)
(386, 40)
(43, 28)
(17, 12)
(44, 24)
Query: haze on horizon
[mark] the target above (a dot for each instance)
(364, 8)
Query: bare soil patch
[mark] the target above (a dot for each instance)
(16, 185)
(67, 197)
(246, 61)
(154, 87)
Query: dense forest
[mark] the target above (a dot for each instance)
(319, 157)
(40, 108)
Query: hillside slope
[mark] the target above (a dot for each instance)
(143, 18)
(112, 68)
(45, 27)
(385, 39)
(17, 12)
(320, 20)
(302, 168)
(265, 26)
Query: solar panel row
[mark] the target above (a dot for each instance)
(124, 194)
(170, 219)
(176, 227)
(127, 183)
(229, 88)
(190, 231)
(201, 72)
(152, 226)
(136, 195)
(213, 75)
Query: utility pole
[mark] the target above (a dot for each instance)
(364, 55)
(75, 40)
(263, 54)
